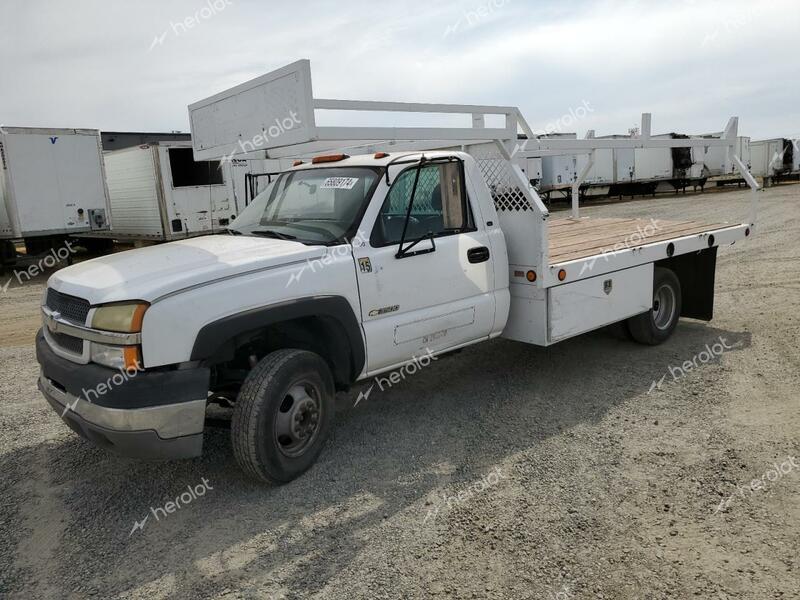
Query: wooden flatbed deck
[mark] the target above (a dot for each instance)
(574, 239)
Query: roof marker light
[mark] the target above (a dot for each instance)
(328, 158)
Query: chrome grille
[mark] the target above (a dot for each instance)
(67, 342)
(71, 308)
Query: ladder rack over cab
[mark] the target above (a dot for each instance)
(565, 276)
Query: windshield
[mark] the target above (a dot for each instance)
(310, 206)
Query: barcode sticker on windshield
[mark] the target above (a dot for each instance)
(340, 183)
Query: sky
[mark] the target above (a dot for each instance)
(135, 66)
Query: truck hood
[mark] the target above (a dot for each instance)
(149, 273)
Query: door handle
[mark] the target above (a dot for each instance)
(478, 255)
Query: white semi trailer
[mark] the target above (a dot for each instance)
(625, 170)
(159, 193)
(51, 185)
(773, 159)
(719, 164)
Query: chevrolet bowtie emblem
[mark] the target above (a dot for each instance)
(51, 320)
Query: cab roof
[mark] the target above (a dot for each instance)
(369, 160)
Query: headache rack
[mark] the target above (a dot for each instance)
(274, 116)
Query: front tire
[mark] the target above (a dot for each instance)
(283, 415)
(656, 325)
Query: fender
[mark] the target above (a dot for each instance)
(213, 337)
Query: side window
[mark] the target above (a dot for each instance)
(439, 205)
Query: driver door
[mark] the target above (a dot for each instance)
(438, 293)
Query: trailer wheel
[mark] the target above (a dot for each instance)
(657, 324)
(283, 415)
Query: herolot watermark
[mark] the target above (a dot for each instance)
(450, 500)
(734, 21)
(632, 240)
(414, 365)
(211, 8)
(779, 471)
(473, 17)
(562, 594)
(564, 122)
(117, 379)
(710, 353)
(268, 134)
(330, 257)
(187, 497)
(50, 260)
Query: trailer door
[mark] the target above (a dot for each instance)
(198, 194)
(624, 158)
(56, 178)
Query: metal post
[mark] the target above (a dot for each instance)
(753, 189)
(576, 186)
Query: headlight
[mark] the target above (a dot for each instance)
(122, 317)
(117, 357)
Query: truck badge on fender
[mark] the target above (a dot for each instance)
(382, 311)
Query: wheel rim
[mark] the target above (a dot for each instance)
(664, 307)
(299, 419)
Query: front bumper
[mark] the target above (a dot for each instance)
(144, 415)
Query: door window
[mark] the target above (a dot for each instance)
(439, 206)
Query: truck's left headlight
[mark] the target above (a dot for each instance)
(124, 317)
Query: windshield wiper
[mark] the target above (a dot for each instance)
(274, 234)
(233, 232)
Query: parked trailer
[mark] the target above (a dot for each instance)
(719, 165)
(626, 171)
(51, 185)
(350, 267)
(670, 169)
(772, 159)
(558, 172)
(159, 192)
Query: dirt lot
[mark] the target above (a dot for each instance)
(505, 471)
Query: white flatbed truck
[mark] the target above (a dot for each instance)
(346, 267)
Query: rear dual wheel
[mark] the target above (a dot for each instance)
(283, 415)
(657, 324)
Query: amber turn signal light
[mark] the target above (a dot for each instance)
(531, 276)
(562, 274)
(328, 158)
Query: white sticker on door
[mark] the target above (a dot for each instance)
(339, 183)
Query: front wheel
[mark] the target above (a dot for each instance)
(283, 415)
(657, 324)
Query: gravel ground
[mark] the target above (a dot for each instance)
(505, 471)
